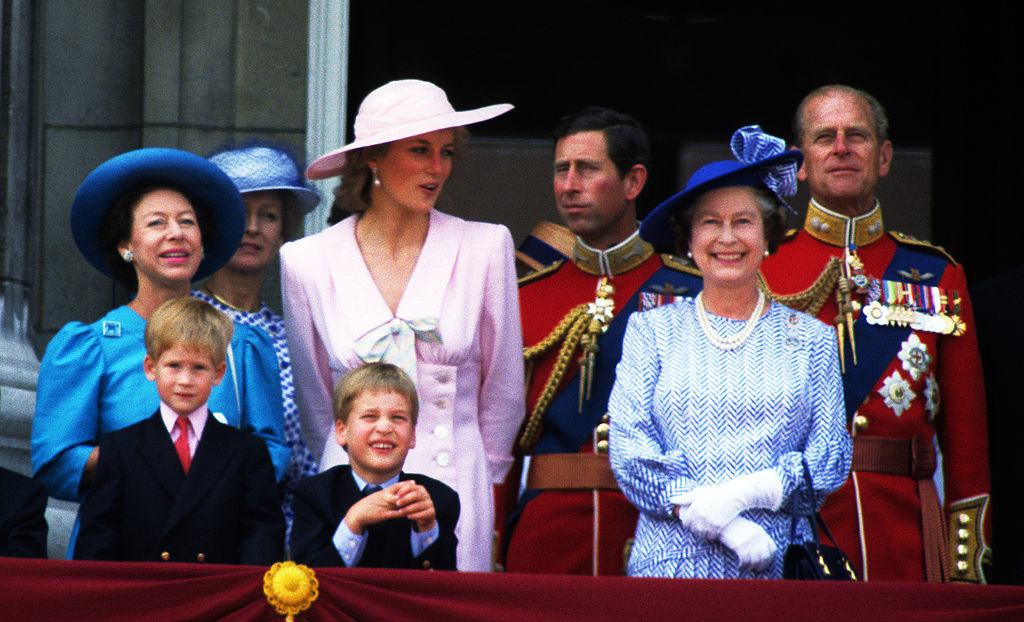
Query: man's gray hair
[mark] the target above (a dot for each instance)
(878, 115)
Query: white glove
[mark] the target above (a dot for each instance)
(708, 509)
(751, 543)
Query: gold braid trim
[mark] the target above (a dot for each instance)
(811, 299)
(568, 331)
(556, 334)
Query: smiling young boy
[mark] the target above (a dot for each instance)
(369, 513)
(181, 485)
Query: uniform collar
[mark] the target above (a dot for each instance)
(838, 230)
(622, 257)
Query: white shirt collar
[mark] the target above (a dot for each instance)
(196, 419)
(362, 483)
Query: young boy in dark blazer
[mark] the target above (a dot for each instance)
(369, 513)
(181, 486)
(22, 516)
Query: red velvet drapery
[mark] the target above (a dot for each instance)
(65, 590)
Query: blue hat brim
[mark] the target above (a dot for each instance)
(200, 181)
(656, 227)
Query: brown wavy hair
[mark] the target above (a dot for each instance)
(352, 195)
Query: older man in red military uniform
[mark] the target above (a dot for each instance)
(906, 330)
(571, 517)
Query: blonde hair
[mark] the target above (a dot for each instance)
(373, 377)
(192, 323)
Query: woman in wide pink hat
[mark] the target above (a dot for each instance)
(399, 281)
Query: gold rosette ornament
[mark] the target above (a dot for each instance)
(290, 588)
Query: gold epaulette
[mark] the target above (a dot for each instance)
(679, 264)
(909, 240)
(967, 540)
(539, 274)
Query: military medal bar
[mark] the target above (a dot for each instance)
(927, 308)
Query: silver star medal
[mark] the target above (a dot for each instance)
(915, 357)
(897, 393)
(932, 399)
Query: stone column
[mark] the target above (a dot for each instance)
(328, 89)
(19, 366)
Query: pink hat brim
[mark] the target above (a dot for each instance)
(329, 164)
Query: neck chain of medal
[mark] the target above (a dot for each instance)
(735, 341)
(600, 313)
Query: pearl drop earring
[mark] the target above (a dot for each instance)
(128, 256)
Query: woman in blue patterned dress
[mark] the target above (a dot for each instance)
(276, 198)
(719, 399)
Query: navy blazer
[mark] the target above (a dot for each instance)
(143, 507)
(22, 516)
(322, 501)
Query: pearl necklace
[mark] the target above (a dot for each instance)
(735, 341)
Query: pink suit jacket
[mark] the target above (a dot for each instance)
(470, 386)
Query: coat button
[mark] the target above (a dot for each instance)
(441, 431)
(860, 423)
(443, 459)
(201, 557)
(165, 556)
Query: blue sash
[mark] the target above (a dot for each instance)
(878, 345)
(565, 428)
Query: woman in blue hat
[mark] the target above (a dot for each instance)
(154, 219)
(276, 198)
(720, 399)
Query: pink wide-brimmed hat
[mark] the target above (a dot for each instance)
(398, 110)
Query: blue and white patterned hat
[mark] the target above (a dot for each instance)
(262, 167)
(761, 160)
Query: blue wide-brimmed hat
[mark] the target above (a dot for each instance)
(762, 161)
(262, 167)
(200, 181)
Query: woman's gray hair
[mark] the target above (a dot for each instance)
(773, 219)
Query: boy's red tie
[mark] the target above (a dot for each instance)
(181, 444)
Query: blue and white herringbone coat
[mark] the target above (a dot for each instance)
(686, 414)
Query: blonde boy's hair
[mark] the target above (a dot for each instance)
(192, 323)
(373, 377)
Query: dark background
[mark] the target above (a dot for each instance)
(697, 71)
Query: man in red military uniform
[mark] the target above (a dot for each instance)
(906, 330)
(571, 517)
